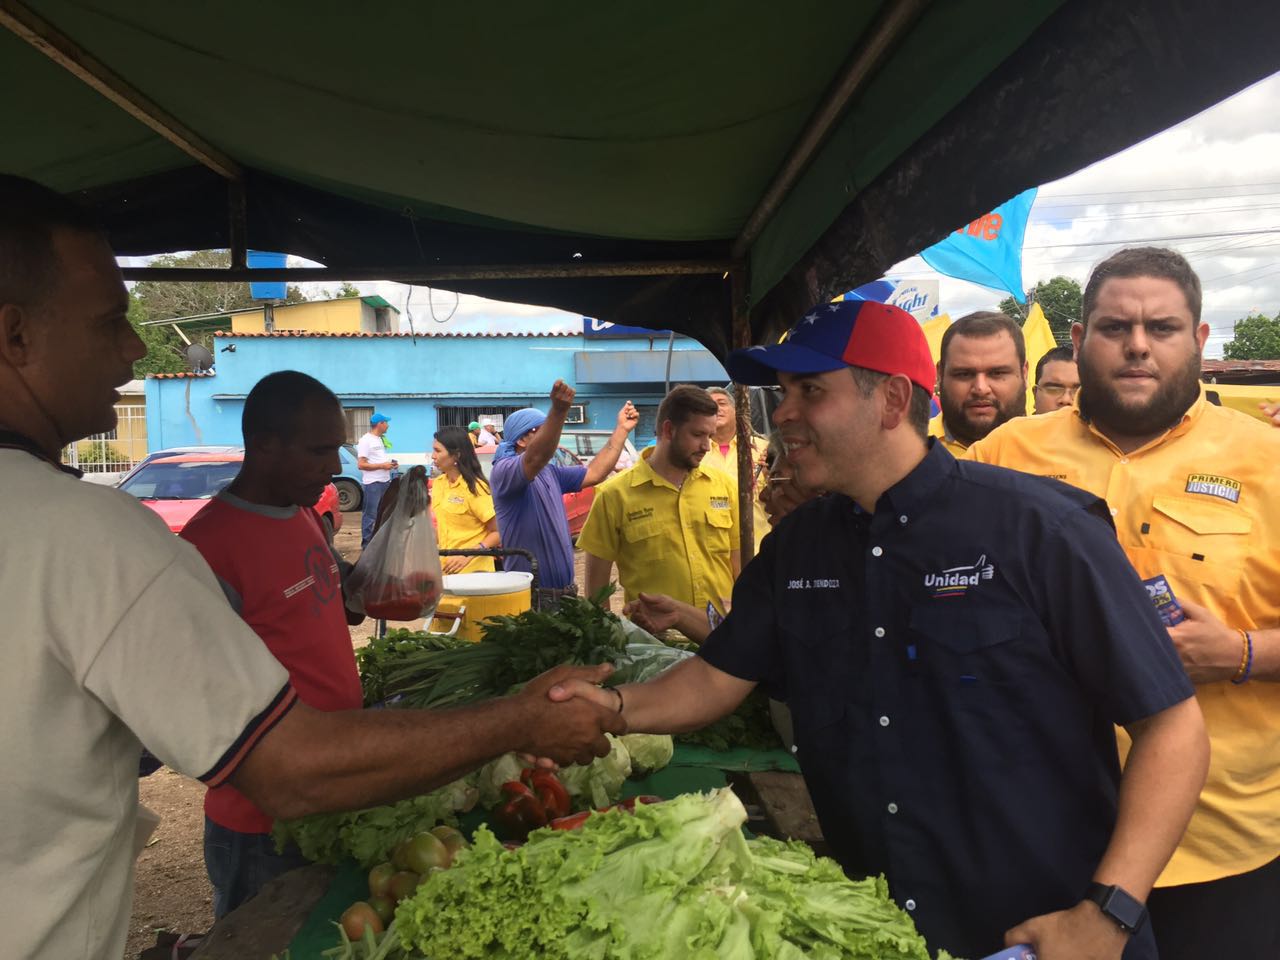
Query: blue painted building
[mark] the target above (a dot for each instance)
(425, 382)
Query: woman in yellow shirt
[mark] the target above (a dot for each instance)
(460, 498)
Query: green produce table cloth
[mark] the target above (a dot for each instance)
(692, 769)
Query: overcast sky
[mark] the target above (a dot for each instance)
(1213, 180)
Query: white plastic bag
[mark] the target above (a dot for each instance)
(398, 576)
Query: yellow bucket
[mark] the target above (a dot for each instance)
(481, 595)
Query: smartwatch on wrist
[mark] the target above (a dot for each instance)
(1126, 912)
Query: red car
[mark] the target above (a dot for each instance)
(177, 487)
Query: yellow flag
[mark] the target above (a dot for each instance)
(933, 331)
(1039, 340)
(1245, 398)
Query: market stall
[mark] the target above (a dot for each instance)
(741, 754)
(300, 911)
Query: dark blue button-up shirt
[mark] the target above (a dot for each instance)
(955, 663)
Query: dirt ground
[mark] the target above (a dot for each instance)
(171, 890)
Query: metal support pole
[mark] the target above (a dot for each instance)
(873, 48)
(416, 273)
(27, 25)
(239, 225)
(741, 311)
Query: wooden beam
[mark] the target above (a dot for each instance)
(62, 50)
(419, 274)
(239, 224)
(871, 52)
(741, 312)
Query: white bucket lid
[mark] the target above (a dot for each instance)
(487, 584)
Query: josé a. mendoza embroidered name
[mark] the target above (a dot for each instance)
(813, 584)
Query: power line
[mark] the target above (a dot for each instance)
(1131, 200)
(1207, 186)
(1169, 214)
(1128, 240)
(1191, 254)
(1241, 273)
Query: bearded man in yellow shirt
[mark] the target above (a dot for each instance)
(669, 522)
(1192, 488)
(982, 379)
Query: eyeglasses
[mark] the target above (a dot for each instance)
(1056, 390)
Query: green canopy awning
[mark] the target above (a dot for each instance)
(438, 134)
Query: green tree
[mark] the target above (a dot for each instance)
(167, 299)
(348, 289)
(1257, 337)
(1059, 298)
(164, 347)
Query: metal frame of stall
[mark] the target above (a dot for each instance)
(870, 53)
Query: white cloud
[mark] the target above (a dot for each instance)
(1215, 177)
(435, 311)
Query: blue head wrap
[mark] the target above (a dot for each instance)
(516, 426)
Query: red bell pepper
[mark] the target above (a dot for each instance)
(572, 822)
(520, 814)
(551, 792)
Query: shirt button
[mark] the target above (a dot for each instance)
(903, 518)
(884, 721)
(910, 904)
(795, 748)
(876, 551)
(1124, 459)
(892, 808)
(879, 631)
(1114, 511)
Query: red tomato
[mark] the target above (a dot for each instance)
(358, 916)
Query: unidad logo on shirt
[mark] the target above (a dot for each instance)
(1222, 487)
(719, 503)
(644, 513)
(956, 581)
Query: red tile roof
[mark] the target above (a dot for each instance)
(1217, 367)
(180, 376)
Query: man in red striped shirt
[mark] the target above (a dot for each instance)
(272, 559)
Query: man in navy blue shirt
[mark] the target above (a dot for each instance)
(955, 644)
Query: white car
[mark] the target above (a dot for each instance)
(587, 443)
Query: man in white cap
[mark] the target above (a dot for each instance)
(375, 465)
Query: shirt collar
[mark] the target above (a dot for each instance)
(1189, 418)
(918, 489)
(643, 472)
(12, 440)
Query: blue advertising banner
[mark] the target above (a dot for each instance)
(270, 290)
(591, 327)
(877, 291)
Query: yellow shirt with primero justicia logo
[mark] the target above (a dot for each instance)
(727, 462)
(1199, 505)
(664, 539)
